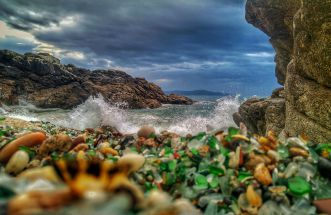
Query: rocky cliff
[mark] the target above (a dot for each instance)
(42, 80)
(300, 32)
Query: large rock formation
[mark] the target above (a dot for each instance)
(300, 32)
(42, 80)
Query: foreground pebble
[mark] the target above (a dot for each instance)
(29, 140)
(228, 172)
(17, 162)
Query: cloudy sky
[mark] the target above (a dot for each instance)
(178, 44)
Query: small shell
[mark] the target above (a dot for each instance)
(132, 161)
(236, 158)
(296, 151)
(262, 174)
(17, 162)
(253, 197)
(240, 137)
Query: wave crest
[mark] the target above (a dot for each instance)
(95, 111)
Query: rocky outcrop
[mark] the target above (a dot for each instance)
(263, 114)
(300, 32)
(42, 80)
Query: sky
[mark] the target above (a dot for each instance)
(177, 44)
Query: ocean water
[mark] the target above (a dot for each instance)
(208, 113)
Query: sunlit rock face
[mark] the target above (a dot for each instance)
(300, 32)
(43, 81)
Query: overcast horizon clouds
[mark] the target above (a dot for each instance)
(177, 44)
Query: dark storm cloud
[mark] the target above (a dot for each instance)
(139, 34)
(142, 30)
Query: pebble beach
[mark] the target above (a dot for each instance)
(55, 170)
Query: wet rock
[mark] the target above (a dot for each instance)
(262, 115)
(300, 33)
(41, 77)
(177, 99)
(308, 109)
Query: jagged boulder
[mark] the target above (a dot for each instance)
(42, 80)
(263, 114)
(300, 32)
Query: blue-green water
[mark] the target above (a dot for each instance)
(208, 113)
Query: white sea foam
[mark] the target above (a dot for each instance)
(23, 111)
(219, 118)
(95, 111)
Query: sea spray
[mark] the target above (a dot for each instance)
(95, 111)
(218, 118)
(206, 114)
(24, 111)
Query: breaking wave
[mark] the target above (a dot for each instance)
(95, 111)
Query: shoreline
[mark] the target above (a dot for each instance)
(231, 171)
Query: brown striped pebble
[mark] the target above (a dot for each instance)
(29, 140)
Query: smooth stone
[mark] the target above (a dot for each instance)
(131, 161)
(29, 140)
(17, 162)
(46, 172)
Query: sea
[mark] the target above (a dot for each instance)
(208, 113)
